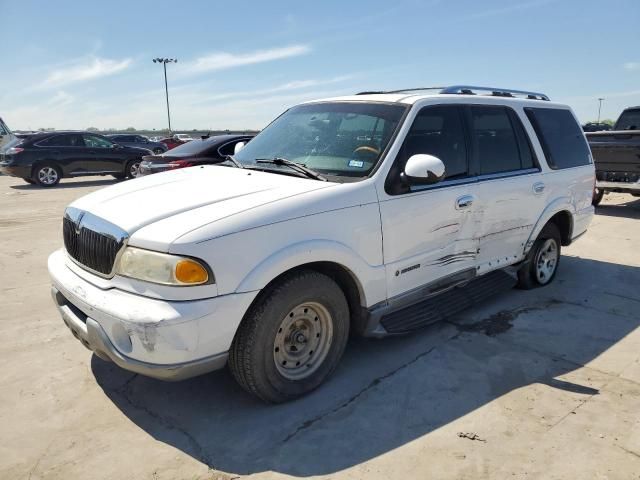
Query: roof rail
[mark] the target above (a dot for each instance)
(468, 90)
(498, 92)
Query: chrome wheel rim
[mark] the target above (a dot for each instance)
(547, 261)
(303, 341)
(47, 175)
(134, 169)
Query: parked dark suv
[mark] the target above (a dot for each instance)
(139, 141)
(45, 158)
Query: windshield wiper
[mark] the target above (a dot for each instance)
(294, 166)
(234, 161)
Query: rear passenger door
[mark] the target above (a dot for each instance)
(510, 191)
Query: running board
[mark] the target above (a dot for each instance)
(448, 303)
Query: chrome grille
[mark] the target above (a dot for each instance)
(91, 241)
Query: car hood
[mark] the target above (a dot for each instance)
(207, 193)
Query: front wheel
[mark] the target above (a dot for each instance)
(542, 261)
(133, 169)
(292, 338)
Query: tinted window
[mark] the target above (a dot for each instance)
(527, 157)
(93, 141)
(561, 137)
(494, 140)
(69, 140)
(438, 131)
(139, 139)
(194, 147)
(3, 131)
(629, 120)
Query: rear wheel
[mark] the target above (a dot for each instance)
(133, 168)
(47, 175)
(598, 193)
(292, 339)
(542, 261)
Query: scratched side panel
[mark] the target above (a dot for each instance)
(426, 237)
(507, 210)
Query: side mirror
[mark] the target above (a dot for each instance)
(238, 146)
(424, 169)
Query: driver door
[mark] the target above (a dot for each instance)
(428, 230)
(103, 155)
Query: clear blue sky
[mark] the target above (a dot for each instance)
(71, 64)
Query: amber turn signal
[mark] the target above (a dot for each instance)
(190, 271)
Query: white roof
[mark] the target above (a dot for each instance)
(409, 98)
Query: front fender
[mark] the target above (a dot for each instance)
(370, 279)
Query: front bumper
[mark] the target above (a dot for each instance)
(619, 186)
(169, 340)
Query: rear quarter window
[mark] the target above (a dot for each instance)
(561, 137)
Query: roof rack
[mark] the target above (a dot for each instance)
(470, 90)
(498, 92)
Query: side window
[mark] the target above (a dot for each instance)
(3, 130)
(494, 140)
(561, 137)
(438, 131)
(63, 141)
(139, 139)
(93, 141)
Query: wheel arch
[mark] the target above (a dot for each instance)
(361, 283)
(558, 213)
(46, 161)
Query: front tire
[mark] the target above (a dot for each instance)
(292, 338)
(47, 175)
(542, 261)
(133, 169)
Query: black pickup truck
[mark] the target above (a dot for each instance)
(616, 154)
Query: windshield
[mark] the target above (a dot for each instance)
(629, 120)
(335, 139)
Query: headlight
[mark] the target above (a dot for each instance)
(162, 268)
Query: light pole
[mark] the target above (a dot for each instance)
(600, 100)
(164, 62)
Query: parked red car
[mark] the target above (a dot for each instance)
(171, 142)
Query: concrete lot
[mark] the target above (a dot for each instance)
(538, 384)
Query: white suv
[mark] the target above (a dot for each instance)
(372, 214)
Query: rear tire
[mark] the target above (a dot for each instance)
(541, 265)
(47, 175)
(292, 338)
(598, 193)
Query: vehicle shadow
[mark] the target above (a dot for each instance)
(62, 185)
(388, 393)
(630, 209)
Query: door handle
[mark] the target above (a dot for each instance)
(538, 187)
(464, 202)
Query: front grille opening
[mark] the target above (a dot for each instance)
(97, 251)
